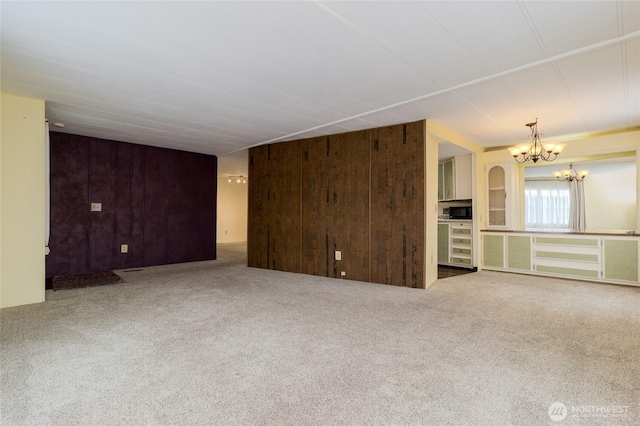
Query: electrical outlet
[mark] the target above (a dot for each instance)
(343, 274)
(124, 248)
(96, 207)
(338, 255)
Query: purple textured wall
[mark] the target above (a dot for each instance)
(160, 202)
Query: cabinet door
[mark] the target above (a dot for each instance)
(463, 166)
(621, 259)
(443, 243)
(440, 181)
(496, 180)
(449, 180)
(519, 252)
(493, 250)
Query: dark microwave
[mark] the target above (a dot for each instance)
(460, 212)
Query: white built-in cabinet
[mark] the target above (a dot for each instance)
(499, 196)
(606, 258)
(455, 244)
(454, 179)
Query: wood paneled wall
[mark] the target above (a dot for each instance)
(160, 202)
(361, 193)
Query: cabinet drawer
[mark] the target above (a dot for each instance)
(462, 241)
(461, 251)
(461, 261)
(460, 231)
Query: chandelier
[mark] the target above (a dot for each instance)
(571, 174)
(536, 150)
(238, 179)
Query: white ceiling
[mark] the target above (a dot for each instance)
(217, 77)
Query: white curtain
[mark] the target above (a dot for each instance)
(577, 221)
(47, 190)
(547, 204)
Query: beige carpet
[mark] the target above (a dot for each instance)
(85, 280)
(219, 343)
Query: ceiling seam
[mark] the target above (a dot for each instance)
(532, 27)
(357, 29)
(625, 71)
(540, 62)
(453, 36)
(539, 39)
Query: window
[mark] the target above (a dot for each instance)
(547, 204)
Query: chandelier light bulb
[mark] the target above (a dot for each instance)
(571, 174)
(535, 150)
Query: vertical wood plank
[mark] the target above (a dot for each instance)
(69, 239)
(315, 204)
(397, 206)
(258, 214)
(284, 211)
(156, 163)
(102, 189)
(349, 183)
(129, 205)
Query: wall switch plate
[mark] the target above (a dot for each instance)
(338, 255)
(124, 248)
(96, 207)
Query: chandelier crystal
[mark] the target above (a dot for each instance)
(536, 150)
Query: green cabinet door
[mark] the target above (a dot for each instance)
(449, 180)
(493, 250)
(443, 243)
(440, 181)
(621, 259)
(519, 252)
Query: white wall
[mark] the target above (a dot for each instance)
(232, 211)
(610, 197)
(22, 274)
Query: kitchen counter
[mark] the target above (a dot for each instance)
(595, 232)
